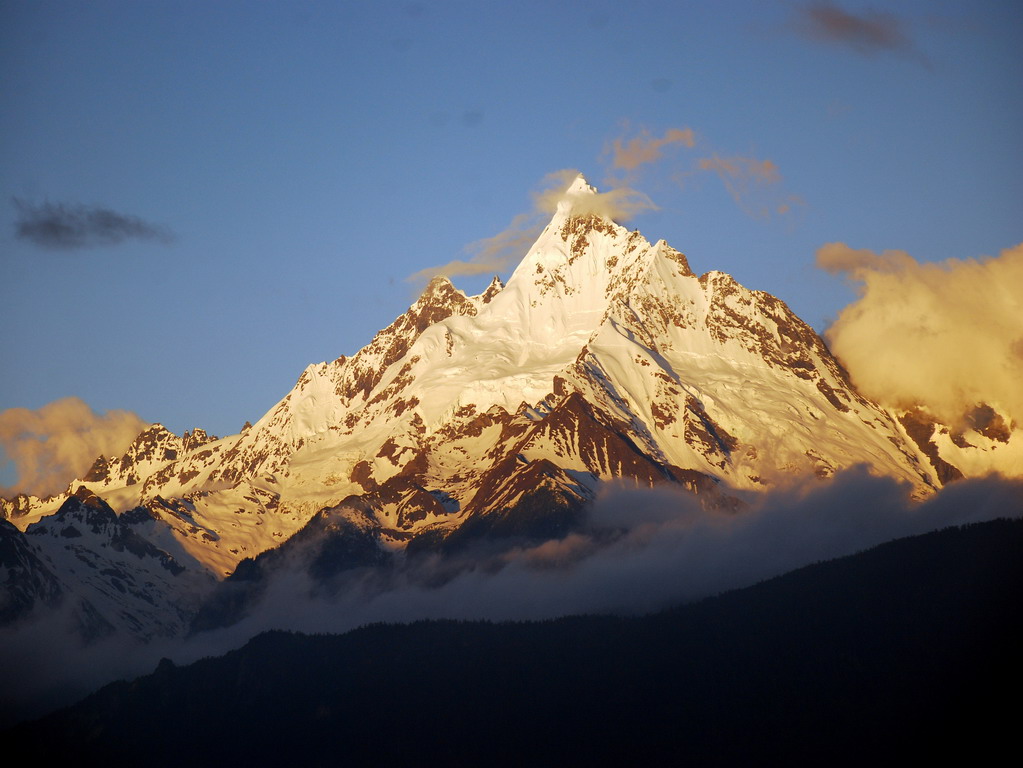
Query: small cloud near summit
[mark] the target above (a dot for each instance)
(620, 204)
(506, 249)
(489, 255)
(60, 226)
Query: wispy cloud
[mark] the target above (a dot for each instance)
(754, 184)
(61, 226)
(951, 330)
(645, 148)
(866, 33)
(741, 168)
(489, 255)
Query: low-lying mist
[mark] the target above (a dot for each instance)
(639, 550)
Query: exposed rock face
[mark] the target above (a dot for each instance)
(196, 439)
(153, 448)
(921, 428)
(19, 506)
(982, 440)
(988, 422)
(99, 471)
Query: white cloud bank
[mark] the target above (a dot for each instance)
(947, 335)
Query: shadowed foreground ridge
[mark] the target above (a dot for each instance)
(898, 652)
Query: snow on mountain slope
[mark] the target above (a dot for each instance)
(729, 381)
(27, 583)
(984, 441)
(104, 568)
(603, 357)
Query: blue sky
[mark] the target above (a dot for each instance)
(276, 171)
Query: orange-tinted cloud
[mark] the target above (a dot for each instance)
(642, 149)
(752, 183)
(947, 335)
(57, 443)
(491, 254)
(837, 258)
(763, 171)
(619, 204)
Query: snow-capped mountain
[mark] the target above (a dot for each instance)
(107, 570)
(604, 358)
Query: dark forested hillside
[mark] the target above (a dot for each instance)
(907, 650)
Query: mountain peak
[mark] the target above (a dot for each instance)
(492, 290)
(439, 288)
(580, 186)
(84, 497)
(437, 283)
(577, 189)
